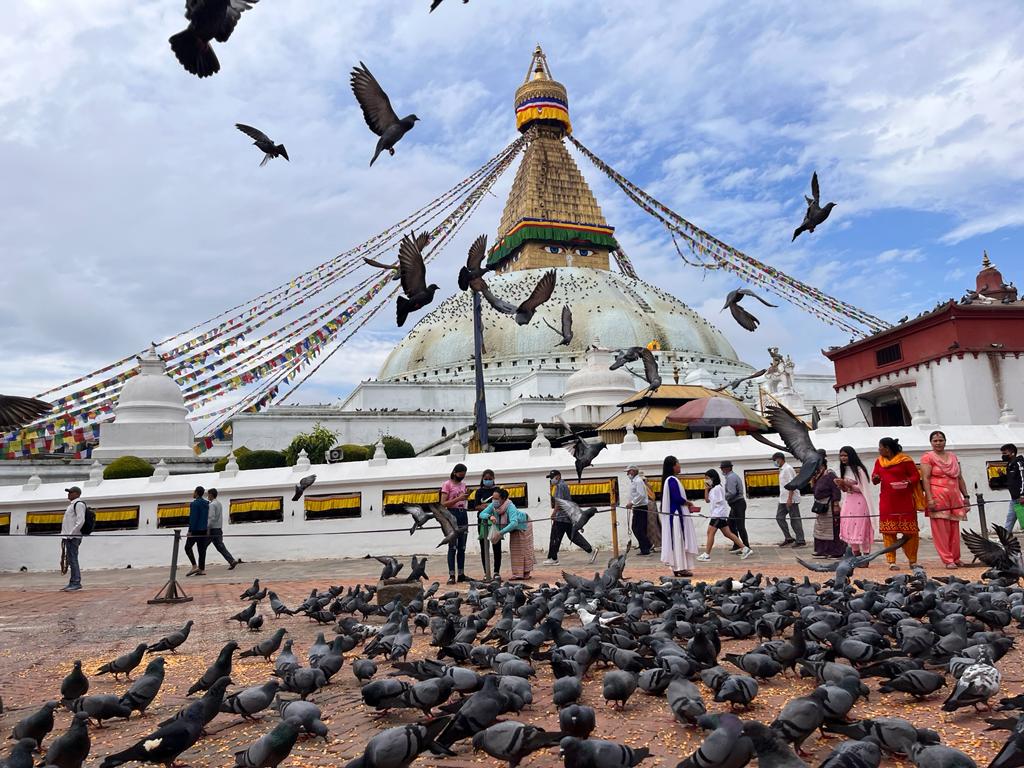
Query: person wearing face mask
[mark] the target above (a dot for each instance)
(454, 497)
(1014, 484)
(789, 505)
(482, 499)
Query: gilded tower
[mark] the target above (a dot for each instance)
(551, 218)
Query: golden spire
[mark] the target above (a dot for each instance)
(542, 100)
(985, 263)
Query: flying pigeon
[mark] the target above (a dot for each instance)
(264, 143)
(632, 354)
(815, 215)
(165, 743)
(382, 265)
(566, 330)
(739, 314)
(302, 485)
(435, 3)
(736, 382)
(414, 276)
(449, 527)
(421, 514)
(123, 665)
(581, 450)
(471, 275)
(1003, 558)
(579, 516)
(207, 20)
(173, 640)
(16, 411)
(377, 111)
(845, 566)
(797, 439)
(525, 311)
(391, 566)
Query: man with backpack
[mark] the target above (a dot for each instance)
(71, 537)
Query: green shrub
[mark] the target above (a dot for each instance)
(352, 452)
(128, 466)
(222, 463)
(317, 443)
(262, 460)
(394, 448)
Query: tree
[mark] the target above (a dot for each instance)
(127, 466)
(394, 448)
(351, 452)
(262, 460)
(222, 463)
(316, 443)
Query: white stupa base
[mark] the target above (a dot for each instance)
(147, 441)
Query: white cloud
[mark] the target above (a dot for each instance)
(901, 255)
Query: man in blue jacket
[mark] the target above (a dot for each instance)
(198, 531)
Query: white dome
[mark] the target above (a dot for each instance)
(151, 397)
(609, 310)
(595, 384)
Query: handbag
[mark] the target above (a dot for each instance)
(821, 507)
(495, 535)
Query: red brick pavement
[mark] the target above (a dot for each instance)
(44, 631)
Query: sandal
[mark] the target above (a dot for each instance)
(951, 566)
(894, 567)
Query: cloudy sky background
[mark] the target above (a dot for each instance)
(130, 207)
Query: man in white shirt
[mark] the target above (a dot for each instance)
(789, 505)
(71, 536)
(216, 523)
(638, 504)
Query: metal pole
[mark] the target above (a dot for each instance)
(171, 592)
(615, 531)
(981, 511)
(480, 408)
(487, 553)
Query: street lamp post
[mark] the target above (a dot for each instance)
(480, 408)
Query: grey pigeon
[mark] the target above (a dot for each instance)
(270, 750)
(123, 665)
(383, 694)
(797, 439)
(307, 713)
(738, 690)
(893, 734)
(1012, 753)
(75, 684)
(251, 591)
(577, 720)
(919, 683)
(250, 701)
(816, 214)
(801, 717)
(578, 516)
(646, 356)
(418, 569)
(166, 743)
(378, 113)
(302, 486)
(771, 750)
(16, 411)
(220, 668)
(845, 566)
(979, 683)
(1003, 556)
(617, 686)
(103, 706)
(303, 681)
(364, 669)
(286, 660)
(243, 616)
(939, 756)
(598, 753)
(724, 747)
(421, 515)
(739, 314)
(757, 665)
(269, 149)
(524, 312)
(512, 741)
(471, 275)
(318, 649)
(654, 681)
(382, 265)
(266, 648)
(566, 690)
(427, 694)
(20, 755)
(277, 606)
(37, 725)
(860, 753)
(142, 692)
(207, 20)
(478, 712)
(566, 327)
(413, 275)
(435, 3)
(398, 747)
(685, 701)
(209, 704)
(70, 749)
(172, 641)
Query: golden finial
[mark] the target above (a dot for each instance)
(538, 66)
(985, 263)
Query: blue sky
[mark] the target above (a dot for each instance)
(132, 208)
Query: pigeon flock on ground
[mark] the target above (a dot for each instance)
(449, 673)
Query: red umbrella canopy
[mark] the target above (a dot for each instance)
(710, 413)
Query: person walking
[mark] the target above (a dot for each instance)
(454, 497)
(561, 525)
(481, 499)
(637, 505)
(827, 498)
(944, 494)
(71, 538)
(1015, 485)
(789, 505)
(653, 516)
(198, 531)
(519, 530)
(678, 538)
(857, 510)
(900, 496)
(718, 512)
(734, 497)
(216, 522)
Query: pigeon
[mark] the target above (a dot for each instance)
(17, 411)
(632, 354)
(743, 318)
(738, 690)
(307, 713)
(37, 725)
(471, 275)
(382, 265)
(209, 704)
(243, 616)
(598, 753)
(797, 439)
(757, 665)
(893, 734)
(979, 683)
(123, 665)
(413, 275)
(919, 683)
(566, 690)
(418, 569)
(617, 686)
(1003, 558)
(172, 641)
(378, 113)
(845, 566)
(75, 684)
(478, 712)
(70, 749)
(427, 694)
(582, 451)
(512, 741)
(566, 330)
(579, 517)
(270, 750)
(524, 312)
(255, 623)
(771, 750)
(364, 669)
(435, 3)
(207, 20)
(20, 755)
(398, 747)
(800, 717)
(220, 668)
(684, 700)
(277, 606)
(449, 527)
(725, 747)
(266, 648)
(577, 720)
(860, 753)
(302, 681)
(421, 514)
(264, 143)
(253, 590)
(939, 756)
(391, 566)
(142, 692)
(286, 660)
(1012, 753)
(100, 707)
(249, 701)
(302, 486)
(815, 215)
(166, 743)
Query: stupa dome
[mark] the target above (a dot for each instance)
(151, 396)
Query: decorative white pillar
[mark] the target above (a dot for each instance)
(1007, 415)
(33, 482)
(541, 446)
(303, 463)
(161, 473)
(231, 468)
(630, 442)
(95, 474)
(380, 456)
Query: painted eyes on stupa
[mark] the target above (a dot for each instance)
(556, 249)
(582, 251)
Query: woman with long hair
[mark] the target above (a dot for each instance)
(678, 539)
(519, 529)
(714, 495)
(855, 516)
(454, 497)
(899, 498)
(944, 494)
(481, 499)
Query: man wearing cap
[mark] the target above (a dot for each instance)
(737, 505)
(561, 525)
(789, 504)
(638, 505)
(71, 537)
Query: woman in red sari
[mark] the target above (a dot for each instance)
(900, 497)
(944, 491)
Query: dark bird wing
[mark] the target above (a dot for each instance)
(794, 434)
(379, 264)
(988, 552)
(650, 367)
(815, 193)
(477, 251)
(253, 133)
(744, 318)
(499, 304)
(374, 102)
(15, 411)
(566, 322)
(541, 292)
(754, 295)
(1010, 542)
(819, 567)
(410, 264)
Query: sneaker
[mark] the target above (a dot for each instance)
(200, 573)
(549, 561)
(786, 543)
(819, 557)
(703, 557)
(736, 551)
(799, 544)
(593, 554)
(193, 572)
(451, 579)
(462, 577)
(72, 588)
(234, 563)
(747, 552)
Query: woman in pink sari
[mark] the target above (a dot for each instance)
(856, 526)
(944, 493)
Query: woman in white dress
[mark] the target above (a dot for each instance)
(678, 539)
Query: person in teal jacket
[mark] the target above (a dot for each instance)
(519, 530)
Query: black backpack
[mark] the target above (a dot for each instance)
(90, 520)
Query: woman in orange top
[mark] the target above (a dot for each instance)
(898, 500)
(944, 491)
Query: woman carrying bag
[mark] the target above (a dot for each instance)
(480, 502)
(519, 530)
